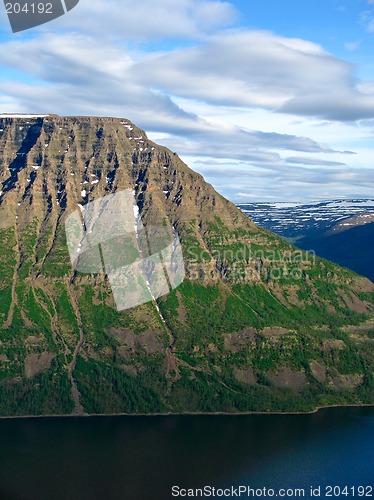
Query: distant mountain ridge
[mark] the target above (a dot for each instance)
(338, 230)
(296, 220)
(257, 325)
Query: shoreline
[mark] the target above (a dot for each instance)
(191, 414)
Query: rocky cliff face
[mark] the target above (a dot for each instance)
(256, 325)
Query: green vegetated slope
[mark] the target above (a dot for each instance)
(257, 325)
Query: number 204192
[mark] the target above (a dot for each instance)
(359, 491)
(28, 8)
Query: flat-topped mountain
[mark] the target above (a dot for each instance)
(256, 325)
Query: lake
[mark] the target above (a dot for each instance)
(143, 457)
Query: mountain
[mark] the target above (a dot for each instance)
(296, 220)
(331, 228)
(349, 244)
(256, 325)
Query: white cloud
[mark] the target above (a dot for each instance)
(222, 102)
(242, 182)
(301, 160)
(74, 74)
(367, 18)
(239, 68)
(366, 87)
(342, 104)
(352, 46)
(259, 69)
(248, 69)
(242, 68)
(147, 20)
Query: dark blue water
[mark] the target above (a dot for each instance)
(143, 457)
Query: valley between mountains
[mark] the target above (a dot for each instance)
(257, 325)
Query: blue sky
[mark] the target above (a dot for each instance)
(268, 100)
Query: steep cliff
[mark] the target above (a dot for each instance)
(256, 325)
